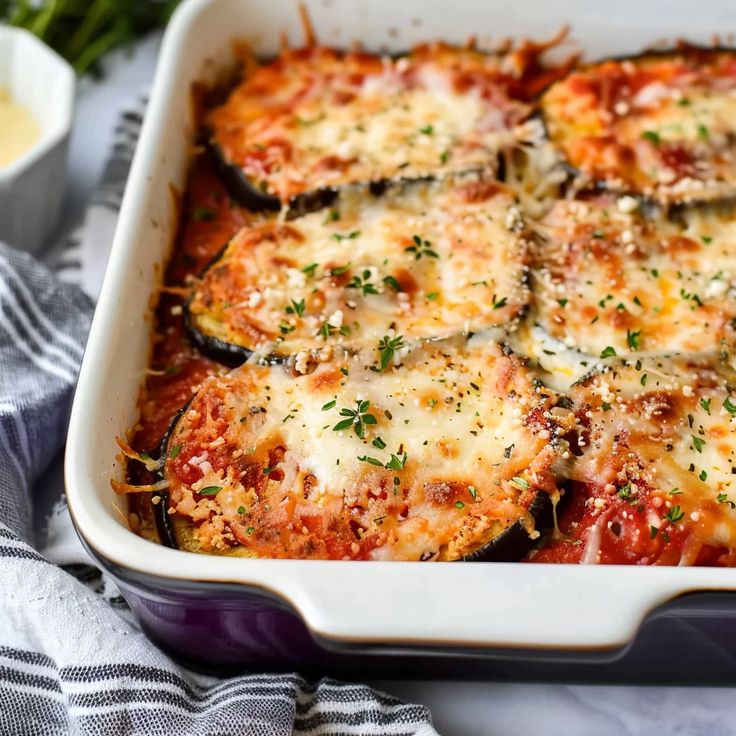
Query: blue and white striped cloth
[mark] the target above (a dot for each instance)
(72, 659)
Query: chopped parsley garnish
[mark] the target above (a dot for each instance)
(363, 283)
(651, 135)
(459, 505)
(520, 482)
(379, 443)
(473, 491)
(427, 129)
(626, 492)
(392, 282)
(703, 132)
(326, 330)
(674, 514)
(329, 405)
(633, 339)
(396, 462)
(432, 295)
(729, 406)
(723, 498)
(698, 442)
(707, 239)
(285, 328)
(356, 418)
(500, 303)
(703, 476)
(269, 469)
(332, 216)
(653, 532)
(444, 157)
(370, 460)
(241, 510)
(296, 308)
(174, 452)
(705, 404)
(608, 352)
(339, 270)
(310, 269)
(562, 302)
(350, 236)
(210, 491)
(387, 346)
(421, 247)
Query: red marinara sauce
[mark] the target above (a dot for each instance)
(594, 527)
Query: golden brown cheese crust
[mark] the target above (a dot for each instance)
(662, 125)
(419, 261)
(429, 460)
(655, 480)
(613, 282)
(317, 117)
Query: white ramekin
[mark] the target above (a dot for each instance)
(32, 187)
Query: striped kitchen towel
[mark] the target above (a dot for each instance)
(72, 659)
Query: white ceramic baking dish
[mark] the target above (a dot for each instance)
(344, 605)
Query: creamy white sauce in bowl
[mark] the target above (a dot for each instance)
(19, 129)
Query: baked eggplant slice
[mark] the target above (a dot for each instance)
(654, 481)
(317, 119)
(662, 124)
(430, 460)
(424, 260)
(610, 280)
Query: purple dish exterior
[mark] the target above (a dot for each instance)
(222, 628)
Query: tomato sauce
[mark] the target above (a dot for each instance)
(209, 219)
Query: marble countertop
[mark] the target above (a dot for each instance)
(459, 708)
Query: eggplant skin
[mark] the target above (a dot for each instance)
(239, 186)
(241, 189)
(164, 524)
(223, 352)
(514, 543)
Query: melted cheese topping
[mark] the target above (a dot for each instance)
(421, 261)
(430, 460)
(317, 118)
(661, 125)
(607, 280)
(657, 465)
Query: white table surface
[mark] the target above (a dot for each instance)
(459, 708)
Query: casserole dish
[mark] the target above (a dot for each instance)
(233, 611)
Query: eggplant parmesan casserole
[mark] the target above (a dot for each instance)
(451, 305)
